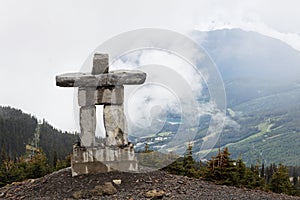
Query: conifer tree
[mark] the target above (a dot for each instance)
(54, 160)
(295, 177)
(280, 182)
(262, 171)
(3, 154)
(189, 164)
(222, 169)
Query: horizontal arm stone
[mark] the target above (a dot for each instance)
(80, 80)
(119, 77)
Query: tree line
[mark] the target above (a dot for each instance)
(29, 148)
(18, 130)
(221, 169)
(29, 166)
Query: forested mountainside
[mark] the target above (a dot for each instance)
(261, 78)
(18, 129)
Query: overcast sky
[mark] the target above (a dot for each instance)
(40, 39)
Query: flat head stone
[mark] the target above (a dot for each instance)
(100, 64)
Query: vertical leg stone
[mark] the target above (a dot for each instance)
(115, 125)
(87, 125)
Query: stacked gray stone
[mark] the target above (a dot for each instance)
(101, 87)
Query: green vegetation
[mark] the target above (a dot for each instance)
(185, 166)
(16, 130)
(221, 169)
(19, 130)
(280, 182)
(269, 129)
(154, 159)
(30, 166)
(29, 149)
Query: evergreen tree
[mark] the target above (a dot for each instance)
(185, 166)
(26, 167)
(262, 171)
(280, 182)
(37, 165)
(269, 174)
(241, 172)
(3, 154)
(295, 182)
(222, 169)
(54, 160)
(63, 163)
(295, 177)
(189, 164)
(252, 168)
(257, 181)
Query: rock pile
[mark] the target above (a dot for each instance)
(153, 185)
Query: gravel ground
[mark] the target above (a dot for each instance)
(61, 185)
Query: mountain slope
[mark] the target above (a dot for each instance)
(262, 82)
(252, 65)
(261, 77)
(18, 129)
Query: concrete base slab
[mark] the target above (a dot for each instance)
(93, 160)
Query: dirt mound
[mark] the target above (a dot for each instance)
(119, 185)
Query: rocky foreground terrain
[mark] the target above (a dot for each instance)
(119, 185)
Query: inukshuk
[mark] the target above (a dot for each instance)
(102, 87)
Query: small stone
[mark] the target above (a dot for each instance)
(78, 194)
(177, 187)
(168, 194)
(117, 181)
(107, 188)
(2, 194)
(155, 193)
(97, 191)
